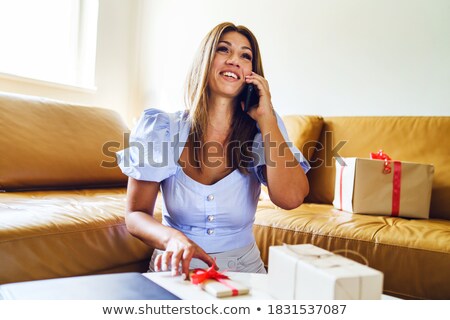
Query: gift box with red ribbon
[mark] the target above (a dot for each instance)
(307, 272)
(382, 186)
(217, 283)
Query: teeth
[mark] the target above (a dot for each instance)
(230, 74)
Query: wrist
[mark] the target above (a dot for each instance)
(169, 235)
(267, 122)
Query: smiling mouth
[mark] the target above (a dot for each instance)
(230, 75)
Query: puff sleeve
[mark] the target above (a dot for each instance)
(150, 154)
(259, 160)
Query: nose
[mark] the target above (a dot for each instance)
(233, 60)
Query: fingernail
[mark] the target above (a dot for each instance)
(174, 272)
(183, 276)
(164, 267)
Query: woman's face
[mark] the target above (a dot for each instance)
(232, 62)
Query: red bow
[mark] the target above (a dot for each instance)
(200, 275)
(380, 155)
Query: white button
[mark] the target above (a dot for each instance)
(210, 218)
(210, 231)
(210, 197)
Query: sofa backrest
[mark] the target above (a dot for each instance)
(46, 144)
(303, 132)
(414, 139)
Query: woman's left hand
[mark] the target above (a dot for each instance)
(264, 110)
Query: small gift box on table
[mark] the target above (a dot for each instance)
(308, 272)
(216, 283)
(380, 186)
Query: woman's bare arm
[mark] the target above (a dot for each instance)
(141, 199)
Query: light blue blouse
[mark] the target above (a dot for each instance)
(217, 217)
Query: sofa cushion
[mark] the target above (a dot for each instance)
(413, 139)
(412, 254)
(304, 132)
(50, 144)
(66, 233)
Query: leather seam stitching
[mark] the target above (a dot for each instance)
(350, 239)
(63, 233)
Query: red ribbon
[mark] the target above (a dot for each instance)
(396, 179)
(380, 155)
(396, 187)
(200, 275)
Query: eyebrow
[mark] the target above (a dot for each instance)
(229, 43)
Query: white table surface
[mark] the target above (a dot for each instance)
(258, 284)
(186, 290)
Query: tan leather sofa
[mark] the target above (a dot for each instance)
(62, 209)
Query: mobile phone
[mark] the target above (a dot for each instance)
(250, 96)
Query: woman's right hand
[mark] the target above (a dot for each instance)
(179, 251)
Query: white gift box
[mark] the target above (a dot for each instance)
(225, 288)
(308, 272)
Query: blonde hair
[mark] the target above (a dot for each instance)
(196, 93)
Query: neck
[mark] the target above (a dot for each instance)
(220, 111)
(220, 115)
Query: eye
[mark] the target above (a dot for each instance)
(222, 49)
(247, 56)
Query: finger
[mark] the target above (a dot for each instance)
(157, 265)
(260, 83)
(175, 262)
(187, 257)
(202, 255)
(257, 77)
(260, 78)
(166, 257)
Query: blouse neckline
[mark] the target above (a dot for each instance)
(185, 127)
(224, 181)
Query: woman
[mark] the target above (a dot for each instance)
(210, 163)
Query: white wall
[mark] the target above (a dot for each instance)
(116, 64)
(327, 57)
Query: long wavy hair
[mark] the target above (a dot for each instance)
(197, 96)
